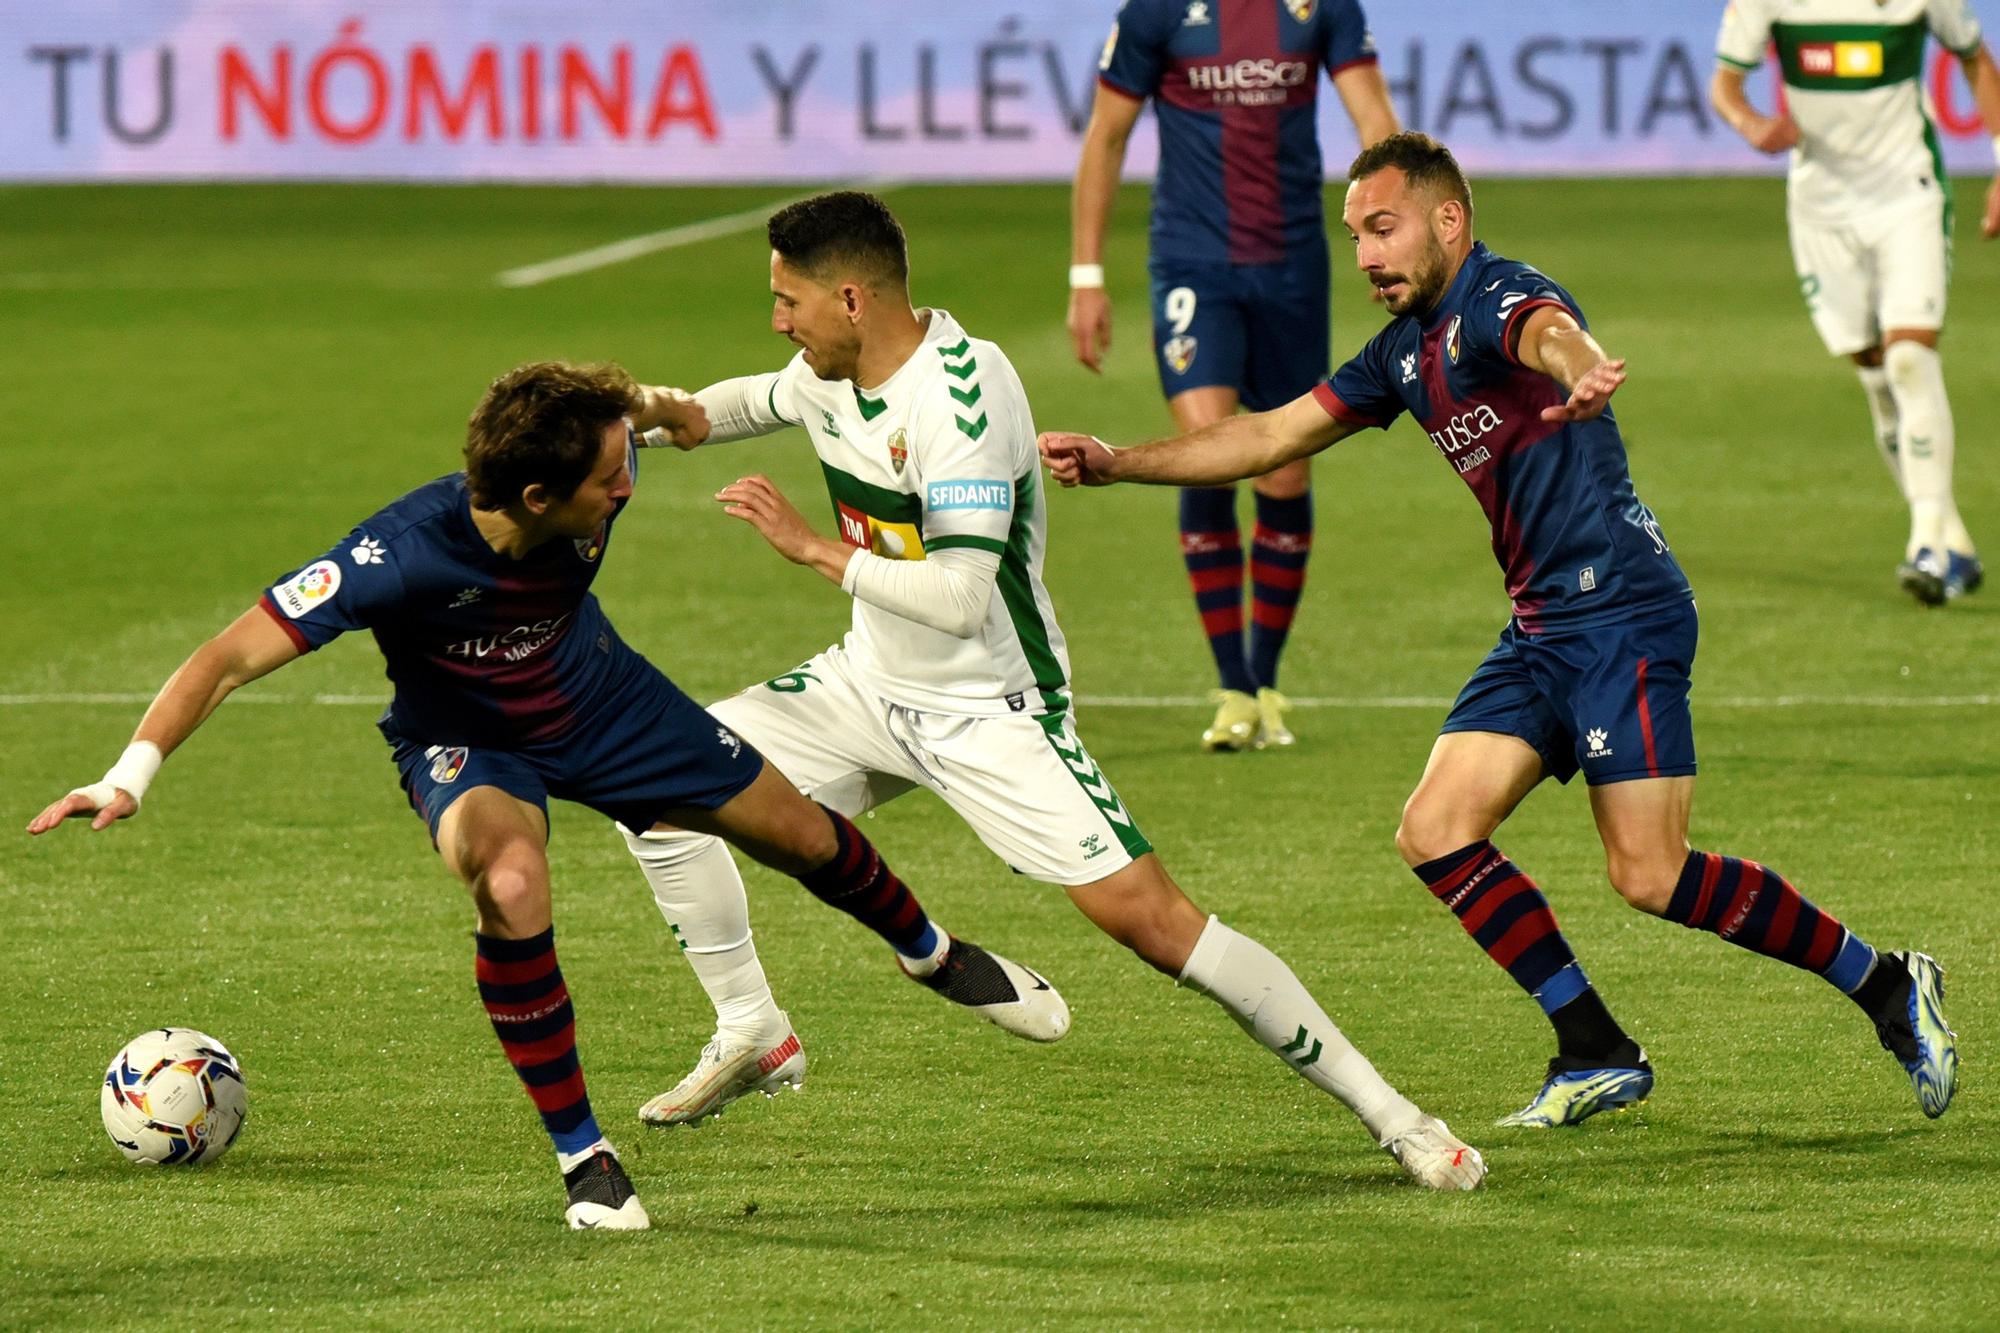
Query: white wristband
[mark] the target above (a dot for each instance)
(1086, 275)
(133, 773)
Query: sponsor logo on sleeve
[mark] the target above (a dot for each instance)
(369, 552)
(970, 495)
(307, 589)
(1410, 368)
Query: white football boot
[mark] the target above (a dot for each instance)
(729, 1069)
(1434, 1157)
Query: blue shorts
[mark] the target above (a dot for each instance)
(1611, 700)
(1260, 329)
(646, 750)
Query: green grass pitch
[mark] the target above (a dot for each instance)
(204, 387)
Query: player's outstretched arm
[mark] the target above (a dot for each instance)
(1553, 343)
(1231, 449)
(1766, 134)
(669, 416)
(1112, 117)
(1984, 77)
(251, 647)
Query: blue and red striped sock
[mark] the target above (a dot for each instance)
(1754, 907)
(1508, 917)
(528, 1004)
(1212, 549)
(859, 882)
(1280, 545)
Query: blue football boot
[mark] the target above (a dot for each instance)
(1922, 576)
(1962, 574)
(1578, 1088)
(1912, 1028)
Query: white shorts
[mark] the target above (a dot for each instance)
(1885, 271)
(1023, 782)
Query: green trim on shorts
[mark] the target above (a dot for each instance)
(1091, 779)
(1017, 591)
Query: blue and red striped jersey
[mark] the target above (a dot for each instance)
(1575, 542)
(1235, 84)
(482, 649)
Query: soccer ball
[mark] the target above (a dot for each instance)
(173, 1096)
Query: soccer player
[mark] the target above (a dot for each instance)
(511, 687)
(954, 677)
(1495, 362)
(1239, 278)
(1870, 214)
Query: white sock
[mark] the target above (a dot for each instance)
(1924, 443)
(695, 883)
(567, 1162)
(1266, 1000)
(1882, 412)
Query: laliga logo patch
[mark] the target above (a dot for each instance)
(1179, 352)
(589, 548)
(313, 585)
(447, 762)
(1451, 340)
(899, 450)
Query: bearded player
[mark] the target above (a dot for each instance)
(1591, 674)
(1870, 214)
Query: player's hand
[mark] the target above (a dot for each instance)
(1773, 134)
(1077, 460)
(1990, 227)
(1090, 325)
(674, 414)
(1592, 393)
(80, 803)
(764, 507)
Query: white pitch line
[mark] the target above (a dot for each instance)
(633, 247)
(1146, 701)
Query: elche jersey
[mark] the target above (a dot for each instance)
(1853, 76)
(1576, 545)
(940, 455)
(1235, 85)
(482, 649)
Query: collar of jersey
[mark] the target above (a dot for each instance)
(1448, 303)
(940, 330)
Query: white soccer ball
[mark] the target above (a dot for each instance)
(173, 1096)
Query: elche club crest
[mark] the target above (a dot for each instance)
(1179, 352)
(899, 450)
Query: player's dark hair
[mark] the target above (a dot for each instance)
(1425, 163)
(543, 422)
(848, 231)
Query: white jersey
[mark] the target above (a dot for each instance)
(1853, 73)
(940, 455)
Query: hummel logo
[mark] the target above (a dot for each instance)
(1595, 739)
(466, 597)
(1410, 368)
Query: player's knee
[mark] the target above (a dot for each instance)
(1427, 831)
(1645, 882)
(513, 892)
